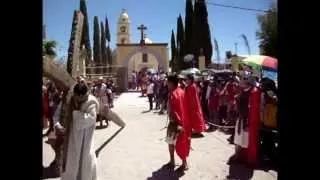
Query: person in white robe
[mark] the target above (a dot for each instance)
(101, 94)
(81, 161)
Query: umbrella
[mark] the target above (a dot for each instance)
(207, 72)
(273, 75)
(261, 61)
(191, 71)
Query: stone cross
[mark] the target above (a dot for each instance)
(142, 28)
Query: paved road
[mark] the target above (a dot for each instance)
(138, 151)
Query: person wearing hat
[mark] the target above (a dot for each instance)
(194, 111)
(247, 126)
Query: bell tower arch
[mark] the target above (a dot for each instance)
(123, 28)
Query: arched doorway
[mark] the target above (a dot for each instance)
(135, 57)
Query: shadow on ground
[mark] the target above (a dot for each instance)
(49, 172)
(108, 141)
(239, 171)
(101, 127)
(165, 173)
(243, 172)
(197, 135)
(146, 111)
(267, 165)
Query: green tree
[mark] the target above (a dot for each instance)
(103, 47)
(109, 55)
(71, 43)
(107, 29)
(189, 25)
(173, 61)
(180, 45)
(108, 37)
(268, 34)
(96, 44)
(202, 31)
(85, 40)
(49, 48)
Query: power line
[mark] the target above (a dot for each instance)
(236, 7)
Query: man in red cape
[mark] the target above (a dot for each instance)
(247, 126)
(193, 106)
(179, 129)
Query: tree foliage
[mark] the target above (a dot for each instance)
(103, 47)
(71, 43)
(49, 48)
(107, 29)
(109, 56)
(96, 43)
(189, 25)
(173, 61)
(268, 34)
(180, 45)
(85, 40)
(202, 31)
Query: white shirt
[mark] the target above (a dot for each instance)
(100, 91)
(208, 92)
(150, 88)
(56, 115)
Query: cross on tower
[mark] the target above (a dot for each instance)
(142, 28)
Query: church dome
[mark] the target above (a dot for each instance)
(147, 41)
(124, 17)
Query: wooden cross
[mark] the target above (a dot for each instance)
(142, 28)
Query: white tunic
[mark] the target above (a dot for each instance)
(81, 158)
(102, 99)
(241, 139)
(150, 88)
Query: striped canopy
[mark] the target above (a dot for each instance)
(259, 61)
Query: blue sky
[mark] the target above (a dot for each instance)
(160, 17)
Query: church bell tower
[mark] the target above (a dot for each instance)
(123, 28)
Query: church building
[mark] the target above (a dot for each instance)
(138, 55)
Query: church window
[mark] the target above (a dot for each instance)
(123, 29)
(123, 40)
(144, 57)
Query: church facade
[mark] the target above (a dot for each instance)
(136, 56)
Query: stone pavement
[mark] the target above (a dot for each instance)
(138, 151)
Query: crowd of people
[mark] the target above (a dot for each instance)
(103, 89)
(90, 102)
(239, 103)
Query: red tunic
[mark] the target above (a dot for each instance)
(214, 100)
(177, 110)
(230, 93)
(193, 107)
(251, 153)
